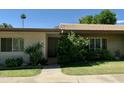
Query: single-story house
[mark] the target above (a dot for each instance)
(14, 40)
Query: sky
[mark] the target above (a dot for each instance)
(50, 18)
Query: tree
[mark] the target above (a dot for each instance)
(105, 17)
(5, 25)
(86, 20)
(23, 16)
(96, 19)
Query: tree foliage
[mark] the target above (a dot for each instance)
(5, 25)
(105, 17)
(96, 19)
(23, 16)
(87, 19)
(71, 48)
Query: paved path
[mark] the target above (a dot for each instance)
(50, 74)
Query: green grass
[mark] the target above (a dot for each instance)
(115, 67)
(19, 73)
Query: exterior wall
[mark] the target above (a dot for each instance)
(115, 42)
(29, 39)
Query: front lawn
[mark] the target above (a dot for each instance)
(113, 67)
(19, 73)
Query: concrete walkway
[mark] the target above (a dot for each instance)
(53, 74)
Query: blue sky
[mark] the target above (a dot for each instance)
(43, 18)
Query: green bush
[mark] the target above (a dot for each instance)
(98, 55)
(106, 55)
(19, 61)
(64, 59)
(35, 53)
(71, 48)
(11, 62)
(43, 61)
(90, 56)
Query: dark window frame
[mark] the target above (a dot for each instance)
(5, 42)
(102, 43)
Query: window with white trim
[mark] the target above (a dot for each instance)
(12, 44)
(98, 43)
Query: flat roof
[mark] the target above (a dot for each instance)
(71, 27)
(29, 29)
(90, 27)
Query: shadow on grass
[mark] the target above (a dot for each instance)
(55, 66)
(88, 64)
(82, 64)
(20, 68)
(51, 66)
(74, 64)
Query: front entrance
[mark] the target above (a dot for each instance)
(52, 50)
(52, 46)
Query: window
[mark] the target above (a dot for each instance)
(15, 44)
(92, 43)
(98, 43)
(104, 43)
(18, 44)
(21, 44)
(12, 44)
(6, 44)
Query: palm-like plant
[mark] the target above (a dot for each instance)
(23, 16)
(35, 53)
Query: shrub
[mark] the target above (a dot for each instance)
(11, 62)
(106, 55)
(19, 61)
(71, 48)
(98, 55)
(35, 53)
(91, 55)
(43, 61)
(64, 59)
